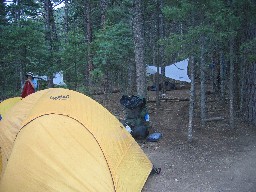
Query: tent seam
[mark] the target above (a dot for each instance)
(125, 154)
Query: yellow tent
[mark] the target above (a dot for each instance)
(7, 104)
(57, 140)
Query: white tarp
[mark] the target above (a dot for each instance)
(178, 71)
(150, 70)
(57, 78)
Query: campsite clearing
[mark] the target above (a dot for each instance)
(219, 158)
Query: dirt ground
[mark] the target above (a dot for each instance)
(220, 159)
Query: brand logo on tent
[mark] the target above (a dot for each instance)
(60, 97)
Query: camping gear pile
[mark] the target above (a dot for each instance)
(137, 117)
(60, 140)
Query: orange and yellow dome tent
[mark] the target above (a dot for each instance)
(57, 140)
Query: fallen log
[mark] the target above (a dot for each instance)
(215, 119)
(169, 99)
(102, 92)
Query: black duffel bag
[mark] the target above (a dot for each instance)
(132, 102)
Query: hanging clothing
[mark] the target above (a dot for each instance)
(27, 89)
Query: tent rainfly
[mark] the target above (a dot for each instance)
(58, 140)
(8, 104)
(5, 106)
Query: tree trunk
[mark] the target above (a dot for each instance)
(3, 19)
(156, 63)
(139, 49)
(76, 82)
(51, 33)
(161, 47)
(250, 94)
(202, 87)
(103, 9)
(231, 85)
(18, 58)
(66, 22)
(103, 6)
(242, 85)
(222, 76)
(245, 93)
(253, 95)
(17, 12)
(191, 99)
(157, 55)
(51, 39)
(215, 74)
(88, 37)
(50, 81)
(131, 78)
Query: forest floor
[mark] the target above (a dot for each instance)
(219, 159)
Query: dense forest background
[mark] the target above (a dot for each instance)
(106, 44)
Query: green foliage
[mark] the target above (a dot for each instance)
(182, 46)
(179, 12)
(186, 23)
(222, 17)
(117, 13)
(97, 75)
(113, 47)
(215, 21)
(248, 49)
(73, 57)
(23, 46)
(74, 48)
(26, 9)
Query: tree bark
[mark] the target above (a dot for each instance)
(250, 94)
(51, 39)
(222, 76)
(66, 22)
(50, 81)
(139, 49)
(202, 84)
(131, 89)
(253, 95)
(242, 85)
(231, 85)
(161, 47)
(157, 55)
(18, 59)
(103, 6)
(51, 33)
(245, 93)
(156, 63)
(3, 19)
(191, 99)
(215, 74)
(88, 37)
